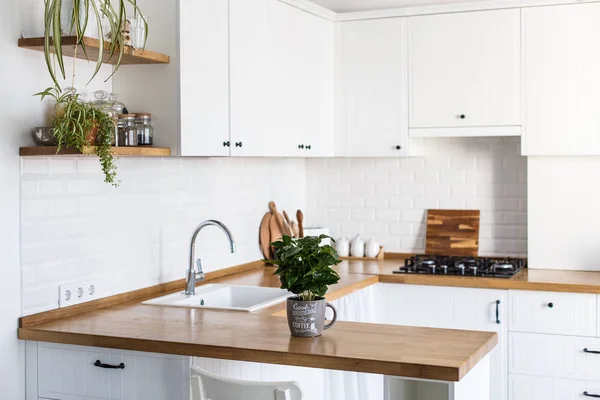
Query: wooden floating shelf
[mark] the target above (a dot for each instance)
(130, 55)
(91, 151)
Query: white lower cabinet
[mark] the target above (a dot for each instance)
(523, 387)
(455, 308)
(556, 356)
(66, 372)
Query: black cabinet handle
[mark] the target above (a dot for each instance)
(226, 144)
(590, 351)
(550, 305)
(301, 146)
(596, 396)
(238, 144)
(497, 311)
(308, 147)
(99, 364)
(463, 116)
(398, 147)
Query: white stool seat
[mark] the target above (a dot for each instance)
(208, 386)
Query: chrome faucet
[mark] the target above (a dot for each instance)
(192, 276)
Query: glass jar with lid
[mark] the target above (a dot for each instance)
(116, 104)
(127, 130)
(144, 129)
(103, 104)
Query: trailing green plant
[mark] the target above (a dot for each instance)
(304, 266)
(75, 123)
(115, 15)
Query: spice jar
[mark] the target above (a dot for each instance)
(127, 132)
(144, 129)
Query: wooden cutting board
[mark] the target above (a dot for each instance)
(452, 232)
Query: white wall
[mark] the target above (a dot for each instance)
(22, 73)
(564, 213)
(387, 198)
(75, 227)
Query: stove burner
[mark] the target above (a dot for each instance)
(462, 266)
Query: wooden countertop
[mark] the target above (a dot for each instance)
(414, 352)
(528, 279)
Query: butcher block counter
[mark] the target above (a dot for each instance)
(528, 279)
(122, 322)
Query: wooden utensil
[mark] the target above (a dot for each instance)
(300, 217)
(277, 224)
(452, 232)
(288, 224)
(264, 236)
(295, 229)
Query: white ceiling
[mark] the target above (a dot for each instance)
(364, 5)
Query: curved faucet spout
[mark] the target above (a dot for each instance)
(192, 276)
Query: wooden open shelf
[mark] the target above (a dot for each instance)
(130, 55)
(145, 151)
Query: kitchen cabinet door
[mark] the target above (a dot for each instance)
(561, 80)
(204, 78)
(523, 387)
(456, 308)
(374, 88)
(300, 73)
(464, 72)
(66, 372)
(249, 52)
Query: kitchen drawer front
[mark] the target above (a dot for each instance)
(68, 373)
(553, 355)
(524, 387)
(551, 312)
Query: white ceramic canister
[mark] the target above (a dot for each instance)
(372, 248)
(343, 247)
(357, 247)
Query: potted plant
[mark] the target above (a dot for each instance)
(71, 17)
(80, 125)
(304, 268)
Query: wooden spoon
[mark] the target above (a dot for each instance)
(300, 217)
(295, 229)
(275, 226)
(280, 221)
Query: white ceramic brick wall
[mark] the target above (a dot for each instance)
(75, 227)
(387, 198)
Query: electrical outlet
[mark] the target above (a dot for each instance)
(77, 293)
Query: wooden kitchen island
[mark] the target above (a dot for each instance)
(453, 364)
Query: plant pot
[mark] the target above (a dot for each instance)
(307, 318)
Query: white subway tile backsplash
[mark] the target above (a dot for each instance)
(76, 227)
(487, 174)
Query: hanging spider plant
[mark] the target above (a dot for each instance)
(116, 16)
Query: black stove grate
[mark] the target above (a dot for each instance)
(492, 267)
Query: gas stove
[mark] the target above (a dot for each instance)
(491, 267)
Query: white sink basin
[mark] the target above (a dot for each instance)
(224, 297)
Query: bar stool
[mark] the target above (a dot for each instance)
(208, 386)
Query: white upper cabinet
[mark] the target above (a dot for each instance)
(562, 80)
(204, 77)
(300, 74)
(373, 85)
(464, 71)
(249, 77)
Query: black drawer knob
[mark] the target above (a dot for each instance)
(301, 146)
(238, 144)
(308, 147)
(226, 144)
(398, 147)
(463, 116)
(550, 305)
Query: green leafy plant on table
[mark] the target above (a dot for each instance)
(304, 267)
(113, 12)
(79, 125)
